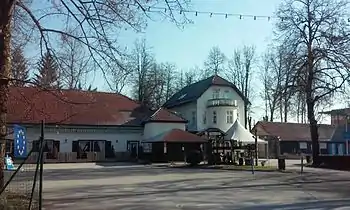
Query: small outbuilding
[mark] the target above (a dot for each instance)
(171, 145)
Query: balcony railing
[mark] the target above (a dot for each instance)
(221, 102)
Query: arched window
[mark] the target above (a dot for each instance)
(214, 117)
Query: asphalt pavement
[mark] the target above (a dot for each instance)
(131, 187)
(148, 187)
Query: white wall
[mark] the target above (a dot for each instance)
(186, 111)
(221, 120)
(118, 137)
(221, 110)
(154, 128)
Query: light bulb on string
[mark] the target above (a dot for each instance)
(181, 11)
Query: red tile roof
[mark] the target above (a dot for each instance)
(178, 136)
(165, 115)
(31, 105)
(293, 131)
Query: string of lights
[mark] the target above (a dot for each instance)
(157, 9)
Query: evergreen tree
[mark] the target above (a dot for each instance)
(20, 72)
(47, 76)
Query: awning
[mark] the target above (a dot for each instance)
(239, 133)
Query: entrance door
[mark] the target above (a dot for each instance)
(109, 150)
(133, 148)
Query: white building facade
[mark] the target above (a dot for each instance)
(217, 105)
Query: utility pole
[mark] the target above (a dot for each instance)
(256, 147)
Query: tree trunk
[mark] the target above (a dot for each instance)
(6, 11)
(272, 111)
(245, 114)
(314, 132)
(285, 110)
(298, 110)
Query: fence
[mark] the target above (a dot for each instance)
(22, 189)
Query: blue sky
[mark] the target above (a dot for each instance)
(189, 47)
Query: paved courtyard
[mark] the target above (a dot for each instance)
(156, 188)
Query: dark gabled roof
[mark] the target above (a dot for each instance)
(293, 131)
(164, 115)
(192, 92)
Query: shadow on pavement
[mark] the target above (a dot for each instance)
(73, 174)
(114, 163)
(329, 204)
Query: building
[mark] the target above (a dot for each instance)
(291, 139)
(338, 116)
(341, 137)
(85, 126)
(210, 103)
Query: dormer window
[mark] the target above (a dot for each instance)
(182, 96)
(226, 94)
(216, 93)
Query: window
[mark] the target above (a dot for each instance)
(302, 145)
(226, 94)
(147, 147)
(214, 117)
(323, 145)
(229, 117)
(216, 93)
(205, 118)
(51, 147)
(193, 118)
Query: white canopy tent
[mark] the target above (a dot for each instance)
(239, 133)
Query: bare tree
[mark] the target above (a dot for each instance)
(215, 63)
(142, 65)
(170, 79)
(272, 79)
(319, 30)
(74, 62)
(239, 72)
(96, 23)
(186, 77)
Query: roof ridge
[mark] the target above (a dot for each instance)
(155, 113)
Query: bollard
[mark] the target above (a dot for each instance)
(252, 164)
(302, 164)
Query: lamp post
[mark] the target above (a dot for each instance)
(256, 147)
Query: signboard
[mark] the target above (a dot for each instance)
(9, 163)
(20, 141)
